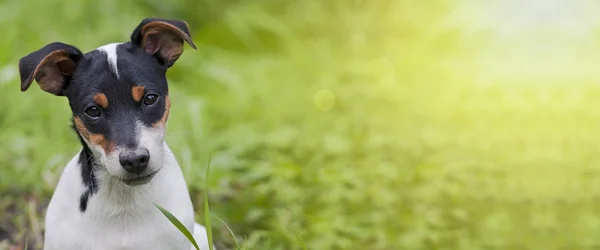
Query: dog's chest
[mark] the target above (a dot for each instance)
(123, 231)
(128, 234)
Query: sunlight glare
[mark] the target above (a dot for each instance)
(532, 40)
(509, 18)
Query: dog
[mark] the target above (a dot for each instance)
(119, 98)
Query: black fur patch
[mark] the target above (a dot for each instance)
(86, 163)
(84, 200)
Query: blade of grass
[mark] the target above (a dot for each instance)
(237, 245)
(206, 206)
(300, 240)
(34, 220)
(178, 225)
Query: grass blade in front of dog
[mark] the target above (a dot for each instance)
(178, 224)
(206, 207)
(237, 245)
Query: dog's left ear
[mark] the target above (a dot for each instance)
(162, 38)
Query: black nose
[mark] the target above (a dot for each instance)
(134, 161)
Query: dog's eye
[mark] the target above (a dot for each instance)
(150, 99)
(92, 111)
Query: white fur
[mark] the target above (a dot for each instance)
(120, 216)
(147, 138)
(151, 139)
(110, 50)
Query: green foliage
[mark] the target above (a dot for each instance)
(237, 244)
(209, 233)
(346, 124)
(178, 225)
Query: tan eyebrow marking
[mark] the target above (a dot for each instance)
(137, 92)
(101, 100)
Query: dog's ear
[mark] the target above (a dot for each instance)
(51, 67)
(162, 38)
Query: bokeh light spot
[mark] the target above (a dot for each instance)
(324, 99)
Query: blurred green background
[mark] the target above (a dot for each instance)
(346, 124)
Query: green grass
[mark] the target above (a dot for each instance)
(179, 226)
(346, 124)
(235, 240)
(209, 233)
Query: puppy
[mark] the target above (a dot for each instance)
(119, 99)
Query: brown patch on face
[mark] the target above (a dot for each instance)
(101, 100)
(138, 93)
(165, 116)
(96, 139)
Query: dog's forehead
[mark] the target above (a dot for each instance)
(119, 65)
(110, 51)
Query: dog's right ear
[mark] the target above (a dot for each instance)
(162, 38)
(51, 66)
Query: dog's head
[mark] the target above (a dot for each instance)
(118, 94)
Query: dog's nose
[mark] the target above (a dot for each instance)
(135, 161)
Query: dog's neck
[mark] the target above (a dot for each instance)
(88, 164)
